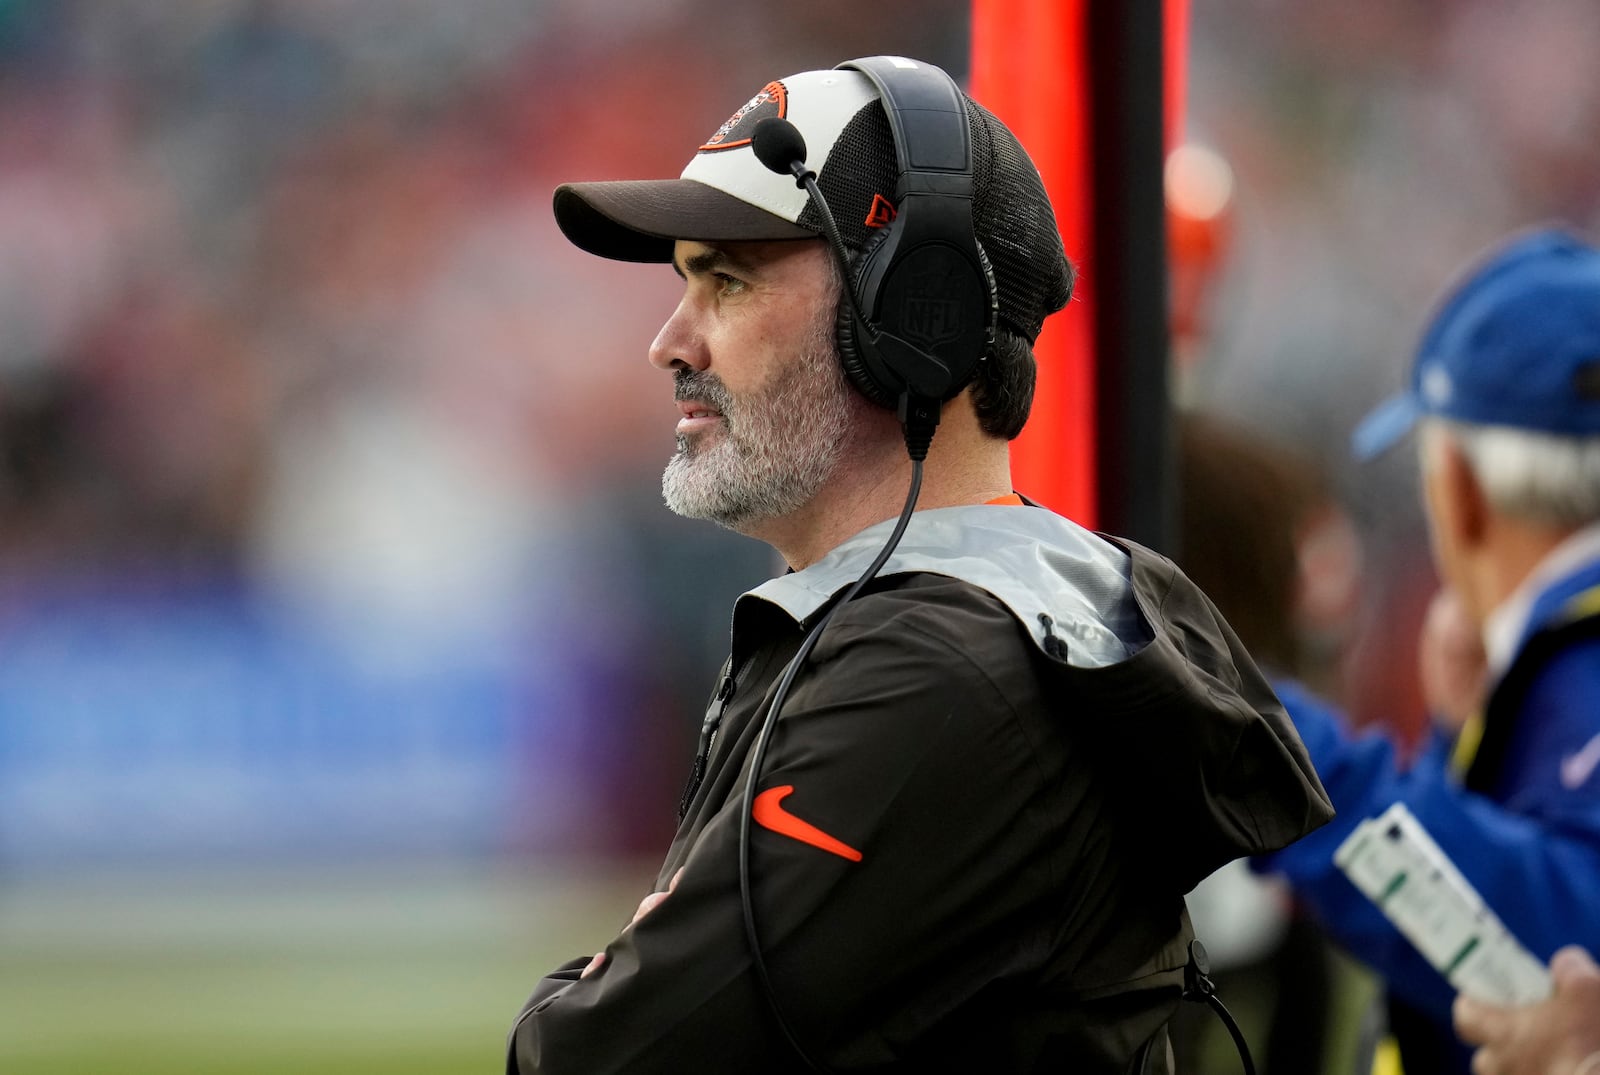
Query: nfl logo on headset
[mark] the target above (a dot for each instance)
(932, 311)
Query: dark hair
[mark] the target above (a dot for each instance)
(1002, 391)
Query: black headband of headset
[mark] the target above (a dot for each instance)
(929, 121)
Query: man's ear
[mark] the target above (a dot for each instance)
(1465, 503)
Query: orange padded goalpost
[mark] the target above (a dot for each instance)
(1094, 90)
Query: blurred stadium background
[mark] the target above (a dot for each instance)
(348, 661)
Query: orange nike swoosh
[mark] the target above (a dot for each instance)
(769, 814)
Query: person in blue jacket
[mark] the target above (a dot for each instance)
(1505, 398)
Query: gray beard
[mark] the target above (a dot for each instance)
(776, 450)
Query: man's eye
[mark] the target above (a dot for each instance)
(726, 283)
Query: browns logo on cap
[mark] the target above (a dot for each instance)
(773, 100)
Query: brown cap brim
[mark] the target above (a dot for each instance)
(638, 220)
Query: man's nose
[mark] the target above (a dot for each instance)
(679, 345)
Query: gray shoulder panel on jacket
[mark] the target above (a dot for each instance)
(1030, 559)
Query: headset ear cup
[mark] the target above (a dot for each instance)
(964, 369)
(854, 344)
(845, 335)
(851, 336)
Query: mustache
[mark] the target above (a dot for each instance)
(705, 387)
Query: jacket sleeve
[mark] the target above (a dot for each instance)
(1536, 861)
(912, 876)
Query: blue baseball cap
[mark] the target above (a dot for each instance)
(1516, 342)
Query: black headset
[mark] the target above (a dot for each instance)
(920, 300)
(922, 284)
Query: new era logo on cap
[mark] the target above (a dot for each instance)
(1437, 388)
(881, 213)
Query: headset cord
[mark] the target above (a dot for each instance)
(758, 756)
(1200, 989)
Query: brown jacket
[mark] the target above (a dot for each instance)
(992, 821)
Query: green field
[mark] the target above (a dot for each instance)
(402, 970)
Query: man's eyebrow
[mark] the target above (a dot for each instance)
(708, 260)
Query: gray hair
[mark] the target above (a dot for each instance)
(1537, 477)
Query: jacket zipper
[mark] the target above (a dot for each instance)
(708, 736)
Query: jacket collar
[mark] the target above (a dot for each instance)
(1032, 560)
(1542, 598)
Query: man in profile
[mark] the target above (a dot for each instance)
(944, 810)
